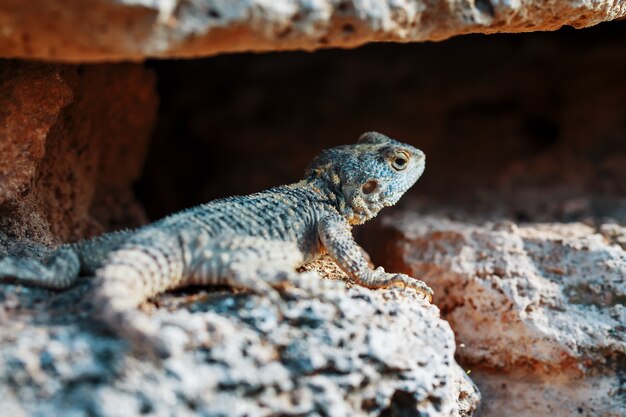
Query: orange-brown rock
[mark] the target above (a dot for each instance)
(136, 29)
(73, 140)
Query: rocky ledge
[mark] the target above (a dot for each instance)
(65, 30)
(330, 351)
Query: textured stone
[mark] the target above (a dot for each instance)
(73, 140)
(334, 352)
(538, 309)
(136, 29)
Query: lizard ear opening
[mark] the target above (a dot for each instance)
(369, 187)
(373, 138)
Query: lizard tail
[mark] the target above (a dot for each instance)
(59, 271)
(37, 265)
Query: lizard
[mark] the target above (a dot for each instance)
(252, 242)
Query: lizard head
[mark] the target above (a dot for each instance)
(364, 177)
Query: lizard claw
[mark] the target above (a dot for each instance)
(417, 285)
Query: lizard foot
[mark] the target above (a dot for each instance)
(413, 283)
(382, 279)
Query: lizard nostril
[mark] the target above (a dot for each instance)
(369, 187)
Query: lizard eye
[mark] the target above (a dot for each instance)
(400, 161)
(369, 187)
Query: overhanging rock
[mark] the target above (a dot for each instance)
(66, 30)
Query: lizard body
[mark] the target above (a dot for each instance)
(252, 242)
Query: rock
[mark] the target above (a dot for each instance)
(538, 309)
(73, 140)
(615, 233)
(335, 352)
(138, 29)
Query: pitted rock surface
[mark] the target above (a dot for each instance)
(336, 352)
(539, 309)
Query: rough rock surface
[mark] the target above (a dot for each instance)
(335, 352)
(136, 29)
(72, 141)
(539, 309)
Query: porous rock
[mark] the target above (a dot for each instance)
(538, 309)
(136, 29)
(330, 351)
(72, 141)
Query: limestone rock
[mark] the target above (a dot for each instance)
(73, 139)
(538, 309)
(334, 352)
(137, 29)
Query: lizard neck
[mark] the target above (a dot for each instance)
(328, 190)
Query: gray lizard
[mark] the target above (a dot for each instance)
(251, 242)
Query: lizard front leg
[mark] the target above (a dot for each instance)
(334, 233)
